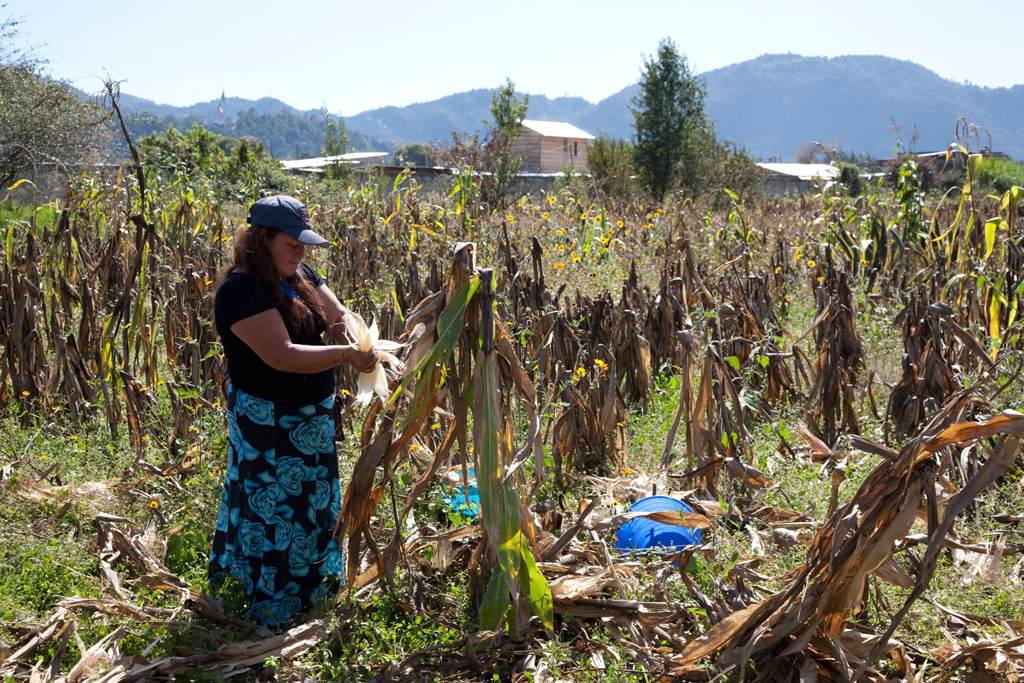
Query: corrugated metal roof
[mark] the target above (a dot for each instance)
(321, 162)
(804, 171)
(554, 129)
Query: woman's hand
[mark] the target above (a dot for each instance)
(361, 361)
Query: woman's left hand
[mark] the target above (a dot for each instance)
(361, 361)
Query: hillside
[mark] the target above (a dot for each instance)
(286, 132)
(771, 105)
(775, 103)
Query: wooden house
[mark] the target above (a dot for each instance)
(546, 146)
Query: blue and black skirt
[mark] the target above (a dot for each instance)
(281, 498)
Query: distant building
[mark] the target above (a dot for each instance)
(782, 180)
(318, 164)
(546, 146)
(953, 160)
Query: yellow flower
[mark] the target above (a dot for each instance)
(42, 457)
(550, 200)
(789, 297)
(575, 259)
(811, 263)
(344, 392)
(414, 448)
(544, 215)
(582, 440)
(561, 247)
(626, 472)
(821, 278)
(601, 364)
(153, 505)
(619, 223)
(583, 216)
(510, 217)
(559, 265)
(436, 425)
(24, 393)
(778, 269)
(73, 436)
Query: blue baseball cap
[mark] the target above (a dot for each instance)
(286, 214)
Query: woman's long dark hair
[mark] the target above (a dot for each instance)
(252, 252)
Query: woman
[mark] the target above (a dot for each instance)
(281, 489)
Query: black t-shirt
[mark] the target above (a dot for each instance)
(243, 295)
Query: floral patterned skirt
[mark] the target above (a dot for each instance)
(280, 502)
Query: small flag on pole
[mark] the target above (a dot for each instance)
(220, 105)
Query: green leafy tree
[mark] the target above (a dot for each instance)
(335, 144)
(672, 131)
(240, 168)
(41, 120)
(508, 111)
(611, 165)
(414, 154)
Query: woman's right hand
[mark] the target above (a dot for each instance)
(363, 361)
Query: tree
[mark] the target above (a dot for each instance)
(413, 154)
(508, 112)
(41, 120)
(335, 144)
(611, 165)
(672, 131)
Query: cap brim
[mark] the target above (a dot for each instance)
(306, 236)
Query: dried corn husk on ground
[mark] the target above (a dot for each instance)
(806, 626)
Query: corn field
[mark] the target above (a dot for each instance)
(533, 337)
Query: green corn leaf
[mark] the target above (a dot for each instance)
(449, 327)
(1010, 199)
(973, 164)
(496, 601)
(486, 432)
(536, 586)
(991, 225)
(733, 361)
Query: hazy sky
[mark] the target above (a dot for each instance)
(358, 56)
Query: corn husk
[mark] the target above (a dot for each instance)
(369, 383)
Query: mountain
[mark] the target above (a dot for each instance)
(286, 132)
(775, 103)
(205, 112)
(462, 112)
(771, 105)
